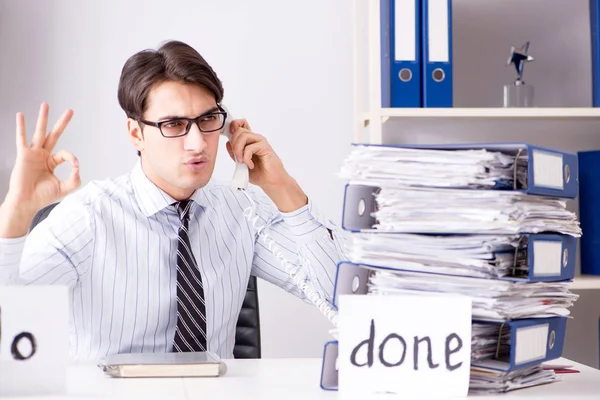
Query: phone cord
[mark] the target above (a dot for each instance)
(299, 280)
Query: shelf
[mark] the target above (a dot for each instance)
(584, 282)
(586, 118)
(531, 112)
(370, 118)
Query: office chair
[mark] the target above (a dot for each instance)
(247, 335)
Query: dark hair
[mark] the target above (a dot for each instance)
(173, 61)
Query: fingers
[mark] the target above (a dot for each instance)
(57, 130)
(63, 155)
(39, 135)
(39, 138)
(243, 138)
(249, 151)
(21, 136)
(74, 179)
(230, 150)
(71, 183)
(239, 123)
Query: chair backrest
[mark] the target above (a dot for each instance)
(247, 334)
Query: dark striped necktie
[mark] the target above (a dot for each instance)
(190, 333)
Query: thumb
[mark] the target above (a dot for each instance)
(71, 183)
(74, 180)
(230, 150)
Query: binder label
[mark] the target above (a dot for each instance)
(547, 258)
(438, 27)
(548, 170)
(531, 343)
(405, 30)
(33, 340)
(409, 345)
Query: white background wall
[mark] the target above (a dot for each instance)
(287, 67)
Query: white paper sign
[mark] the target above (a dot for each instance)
(409, 345)
(34, 340)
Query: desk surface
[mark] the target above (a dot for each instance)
(280, 379)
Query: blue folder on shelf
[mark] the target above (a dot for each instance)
(437, 57)
(400, 53)
(589, 211)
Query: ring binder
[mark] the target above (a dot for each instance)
(515, 170)
(531, 341)
(360, 198)
(548, 172)
(493, 299)
(437, 60)
(329, 369)
(518, 258)
(499, 340)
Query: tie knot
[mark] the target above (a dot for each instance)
(183, 209)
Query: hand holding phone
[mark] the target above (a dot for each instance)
(240, 182)
(241, 175)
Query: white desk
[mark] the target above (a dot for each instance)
(277, 379)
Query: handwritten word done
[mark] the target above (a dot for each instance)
(453, 344)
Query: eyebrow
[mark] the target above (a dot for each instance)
(169, 117)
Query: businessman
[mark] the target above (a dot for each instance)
(158, 259)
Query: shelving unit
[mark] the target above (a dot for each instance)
(489, 112)
(371, 118)
(586, 282)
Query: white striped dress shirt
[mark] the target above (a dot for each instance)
(114, 244)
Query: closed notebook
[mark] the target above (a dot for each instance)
(155, 365)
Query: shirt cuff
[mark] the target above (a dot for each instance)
(305, 220)
(11, 251)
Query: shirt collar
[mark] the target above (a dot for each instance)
(152, 199)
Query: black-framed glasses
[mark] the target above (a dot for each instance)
(209, 122)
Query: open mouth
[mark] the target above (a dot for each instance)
(196, 164)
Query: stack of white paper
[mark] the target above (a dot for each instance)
(484, 342)
(453, 222)
(493, 300)
(478, 168)
(485, 256)
(487, 381)
(430, 210)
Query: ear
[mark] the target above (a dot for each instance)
(136, 136)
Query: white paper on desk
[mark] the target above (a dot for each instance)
(442, 318)
(43, 312)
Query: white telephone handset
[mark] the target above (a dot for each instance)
(241, 175)
(240, 183)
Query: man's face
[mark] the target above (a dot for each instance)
(178, 165)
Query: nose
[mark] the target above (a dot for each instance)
(194, 140)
